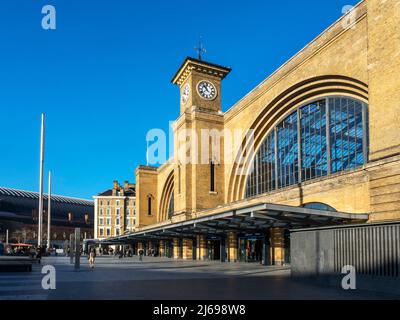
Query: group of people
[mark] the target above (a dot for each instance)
(92, 255)
(27, 251)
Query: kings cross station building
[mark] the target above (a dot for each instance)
(315, 146)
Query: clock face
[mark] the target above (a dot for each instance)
(185, 94)
(207, 90)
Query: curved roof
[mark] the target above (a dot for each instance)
(35, 195)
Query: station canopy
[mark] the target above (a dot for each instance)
(248, 221)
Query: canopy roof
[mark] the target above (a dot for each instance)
(252, 220)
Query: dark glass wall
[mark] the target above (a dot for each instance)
(327, 136)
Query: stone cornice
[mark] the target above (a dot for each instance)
(190, 65)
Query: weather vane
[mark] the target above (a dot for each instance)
(200, 49)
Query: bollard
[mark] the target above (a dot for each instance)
(77, 248)
(71, 248)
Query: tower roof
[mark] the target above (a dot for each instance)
(190, 64)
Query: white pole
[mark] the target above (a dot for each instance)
(40, 228)
(7, 237)
(49, 212)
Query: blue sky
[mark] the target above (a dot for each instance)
(103, 76)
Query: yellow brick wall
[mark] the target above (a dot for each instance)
(176, 248)
(146, 185)
(232, 245)
(384, 77)
(201, 248)
(362, 62)
(187, 249)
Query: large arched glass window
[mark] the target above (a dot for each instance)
(171, 206)
(327, 136)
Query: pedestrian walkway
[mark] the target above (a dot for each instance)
(168, 279)
(22, 285)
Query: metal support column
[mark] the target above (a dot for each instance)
(194, 250)
(223, 249)
(265, 251)
(180, 248)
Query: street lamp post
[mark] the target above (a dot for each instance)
(49, 212)
(40, 216)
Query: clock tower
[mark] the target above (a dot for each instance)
(199, 182)
(200, 85)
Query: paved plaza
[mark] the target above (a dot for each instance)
(166, 279)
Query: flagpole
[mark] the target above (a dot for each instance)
(49, 212)
(40, 213)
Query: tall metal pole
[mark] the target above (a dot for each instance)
(49, 212)
(40, 215)
(7, 237)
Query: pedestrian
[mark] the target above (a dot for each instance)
(39, 254)
(141, 255)
(92, 257)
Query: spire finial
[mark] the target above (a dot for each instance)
(200, 49)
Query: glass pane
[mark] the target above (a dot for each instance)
(346, 131)
(313, 141)
(346, 145)
(288, 170)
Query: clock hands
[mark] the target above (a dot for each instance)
(206, 90)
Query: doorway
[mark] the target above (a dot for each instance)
(213, 250)
(250, 250)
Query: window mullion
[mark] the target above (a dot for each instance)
(328, 135)
(299, 155)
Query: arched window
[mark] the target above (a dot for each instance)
(171, 206)
(327, 136)
(149, 206)
(212, 176)
(319, 206)
(179, 179)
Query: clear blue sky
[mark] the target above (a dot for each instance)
(103, 76)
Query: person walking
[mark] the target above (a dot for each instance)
(92, 257)
(39, 254)
(141, 255)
